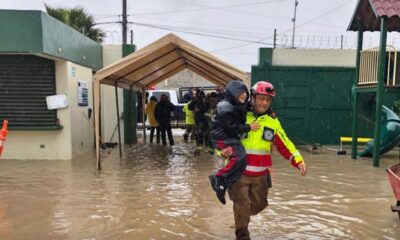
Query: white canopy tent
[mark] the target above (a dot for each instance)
(155, 63)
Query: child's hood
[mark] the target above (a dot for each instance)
(233, 89)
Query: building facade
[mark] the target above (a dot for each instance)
(41, 57)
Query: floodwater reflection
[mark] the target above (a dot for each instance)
(159, 192)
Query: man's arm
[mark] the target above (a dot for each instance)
(192, 105)
(287, 149)
(171, 107)
(157, 113)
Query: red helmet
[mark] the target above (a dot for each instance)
(264, 88)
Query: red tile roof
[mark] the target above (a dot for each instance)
(368, 13)
(387, 8)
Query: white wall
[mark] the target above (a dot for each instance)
(82, 131)
(111, 53)
(314, 57)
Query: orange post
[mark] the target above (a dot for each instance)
(3, 134)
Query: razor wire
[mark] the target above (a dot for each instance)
(331, 42)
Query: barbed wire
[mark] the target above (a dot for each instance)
(112, 37)
(332, 42)
(301, 42)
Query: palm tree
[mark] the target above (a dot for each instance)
(78, 19)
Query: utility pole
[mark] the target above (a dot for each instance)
(296, 2)
(131, 37)
(274, 38)
(124, 22)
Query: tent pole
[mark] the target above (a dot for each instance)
(143, 115)
(129, 117)
(118, 123)
(96, 91)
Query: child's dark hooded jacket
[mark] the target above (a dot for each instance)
(230, 118)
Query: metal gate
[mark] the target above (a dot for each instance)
(25, 81)
(313, 103)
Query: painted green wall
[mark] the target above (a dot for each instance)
(20, 31)
(130, 108)
(74, 46)
(35, 32)
(314, 104)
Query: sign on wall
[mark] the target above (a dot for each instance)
(83, 94)
(73, 71)
(56, 101)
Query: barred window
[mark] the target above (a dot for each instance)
(25, 81)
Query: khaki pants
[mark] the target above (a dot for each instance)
(249, 196)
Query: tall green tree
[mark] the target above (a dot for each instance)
(78, 19)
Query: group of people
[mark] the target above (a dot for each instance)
(199, 111)
(159, 115)
(242, 127)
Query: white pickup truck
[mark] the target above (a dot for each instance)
(178, 116)
(176, 98)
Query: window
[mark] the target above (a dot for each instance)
(25, 81)
(158, 95)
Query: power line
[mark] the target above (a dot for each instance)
(301, 25)
(182, 29)
(242, 34)
(205, 24)
(209, 8)
(199, 34)
(325, 14)
(231, 10)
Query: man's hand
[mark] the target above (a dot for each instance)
(303, 169)
(226, 152)
(254, 126)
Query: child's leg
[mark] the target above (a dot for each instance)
(237, 162)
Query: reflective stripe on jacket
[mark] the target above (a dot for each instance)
(189, 119)
(258, 145)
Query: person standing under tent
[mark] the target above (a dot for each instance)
(154, 125)
(162, 114)
(189, 123)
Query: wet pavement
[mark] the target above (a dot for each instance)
(159, 192)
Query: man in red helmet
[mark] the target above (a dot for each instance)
(250, 193)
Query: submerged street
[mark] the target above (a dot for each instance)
(159, 192)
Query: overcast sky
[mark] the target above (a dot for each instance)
(231, 26)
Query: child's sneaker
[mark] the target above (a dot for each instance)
(217, 184)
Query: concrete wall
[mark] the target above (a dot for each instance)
(82, 132)
(111, 53)
(314, 57)
(75, 138)
(185, 78)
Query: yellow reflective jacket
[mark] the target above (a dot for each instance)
(149, 110)
(258, 145)
(189, 119)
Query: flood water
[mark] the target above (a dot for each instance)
(160, 192)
